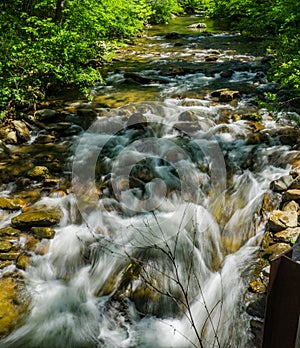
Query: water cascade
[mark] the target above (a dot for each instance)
(163, 223)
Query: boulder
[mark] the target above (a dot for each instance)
(197, 26)
(12, 305)
(43, 232)
(225, 94)
(227, 73)
(23, 261)
(211, 58)
(137, 120)
(8, 203)
(43, 218)
(276, 250)
(5, 246)
(291, 195)
(290, 206)
(295, 184)
(38, 172)
(9, 231)
(187, 127)
(188, 116)
(282, 183)
(44, 114)
(45, 139)
(287, 236)
(280, 220)
(22, 131)
(8, 256)
(11, 137)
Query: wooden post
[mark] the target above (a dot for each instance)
(283, 304)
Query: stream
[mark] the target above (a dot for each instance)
(161, 224)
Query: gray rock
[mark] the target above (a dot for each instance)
(44, 114)
(282, 183)
(197, 26)
(188, 116)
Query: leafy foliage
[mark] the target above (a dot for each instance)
(163, 10)
(49, 43)
(276, 20)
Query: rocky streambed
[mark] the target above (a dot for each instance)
(204, 86)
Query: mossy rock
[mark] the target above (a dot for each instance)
(9, 231)
(257, 287)
(276, 250)
(23, 261)
(9, 256)
(31, 196)
(4, 264)
(39, 172)
(43, 232)
(7, 203)
(44, 218)
(5, 246)
(12, 305)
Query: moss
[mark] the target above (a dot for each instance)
(44, 218)
(11, 306)
(11, 203)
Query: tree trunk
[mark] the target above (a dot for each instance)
(59, 10)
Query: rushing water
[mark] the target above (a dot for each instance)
(162, 228)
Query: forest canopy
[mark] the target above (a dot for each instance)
(45, 44)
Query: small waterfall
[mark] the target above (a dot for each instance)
(157, 236)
